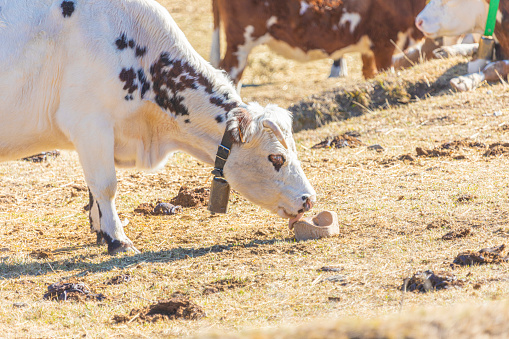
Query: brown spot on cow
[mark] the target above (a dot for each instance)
(129, 77)
(121, 42)
(145, 84)
(67, 8)
(171, 77)
(228, 106)
(140, 51)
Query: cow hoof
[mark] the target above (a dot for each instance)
(100, 239)
(337, 75)
(121, 247)
(443, 52)
(462, 84)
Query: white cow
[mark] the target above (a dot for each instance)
(455, 17)
(452, 17)
(118, 82)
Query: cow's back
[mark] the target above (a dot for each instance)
(61, 58)
(57, 58)
(29, 74)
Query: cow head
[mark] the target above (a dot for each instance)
(263, 164)
(452, 17)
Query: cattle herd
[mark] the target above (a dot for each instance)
(129, 90)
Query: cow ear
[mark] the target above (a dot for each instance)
(240, 125)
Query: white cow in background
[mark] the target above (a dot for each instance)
(118, 82)
(454, 17)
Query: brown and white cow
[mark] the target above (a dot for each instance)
(307, 30)
(453, 17)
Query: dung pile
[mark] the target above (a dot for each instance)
(429, 281)
(71, 291)
(42, 157)
(461, 233)
(188, 197)
(223, 285)
(348, 139)
(161, 208)
(492, 255)
(175, 308)
(497, 148)
(450, 149)
(118, 279)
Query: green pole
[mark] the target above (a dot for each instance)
(492, 18)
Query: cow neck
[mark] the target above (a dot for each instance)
(227, 141)
(199, 98)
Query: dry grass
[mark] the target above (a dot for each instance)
(384, 205)
(465, 321)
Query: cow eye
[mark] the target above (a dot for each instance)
(277, 160)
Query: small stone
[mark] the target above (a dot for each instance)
(421, 152)
(407, 157)
(330, 269)
(164, 208)
(335, 278)
(19, 305)
(376, 147)
(462, 233)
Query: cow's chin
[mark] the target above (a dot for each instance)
(430, 35)
(293, 218)
(431, 30)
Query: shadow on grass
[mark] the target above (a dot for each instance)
(257, 85)
(42, 267)
(385, 91)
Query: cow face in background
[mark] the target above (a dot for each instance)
(452, 17)
(264, 166)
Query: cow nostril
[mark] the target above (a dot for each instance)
(308, 204)
(305, 197)
(419, 23)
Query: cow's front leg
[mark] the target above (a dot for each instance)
(94, 217)
(383, 57)
(95, 146)
(368, 65)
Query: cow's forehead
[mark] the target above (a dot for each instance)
(280, 116)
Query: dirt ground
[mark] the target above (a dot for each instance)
(244, 269)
